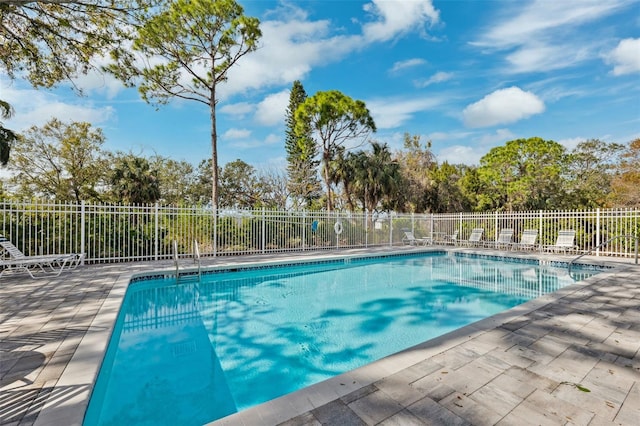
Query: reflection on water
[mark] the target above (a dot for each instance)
(517, 279)
(150, 307)
(197, 351)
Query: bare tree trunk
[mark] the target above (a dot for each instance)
(327, 182)
(214, 151)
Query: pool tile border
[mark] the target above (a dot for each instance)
(190, 272)
(193, 272)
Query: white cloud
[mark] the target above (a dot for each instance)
(460, 154)
(238, 110)
(273, 138)
(438, 136)
(531, 31)
(409, 63)
(36, 108)
(291, 44)
(237, 134)
(625, 57)
(395, 18)
(391, 113)
(438, 77)
(501, 107)
(447, 136)
(499, 136)
(571, 143)
(457, 148)
(558, 87)
(247, 143)
(541, 57)
(274, 166)
(271, 111)
(99, 82)
(288, 51)
(541, 18)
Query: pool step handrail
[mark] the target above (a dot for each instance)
(196, 258)
(635, 237)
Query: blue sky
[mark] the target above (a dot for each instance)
(467, 75)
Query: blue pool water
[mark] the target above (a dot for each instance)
(193, 352)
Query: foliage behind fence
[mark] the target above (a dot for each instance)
(114, 233)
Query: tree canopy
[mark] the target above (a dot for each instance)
(66, 162)
(185, 49)
(590, 170)
(626, 182)
(53, 41)
(335, 120)
(134, 181)
(523, 174)
(239, 185)
(418, 163)
(377, 178)
(7, 137)
(59, 160)
(302, 153)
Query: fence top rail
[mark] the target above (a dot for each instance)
(11, 204)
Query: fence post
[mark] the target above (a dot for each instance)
(366, 228)
(304, 230)
(156, 233)
(431, 226)
(540, 230)
(338, 220)
(390, 230)
(264, 228)
(413, 224)
(82, 230)
(215, 231)
(598, 232)
(495, 228)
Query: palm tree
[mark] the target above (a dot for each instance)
(134, 182)
(377, 177)
(342, 170)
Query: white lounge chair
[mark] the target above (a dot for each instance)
(31, 265)
(564, 242)
(527, 240)
(503, 240)
(475, 238)
(411, 239)
(451, 238)
(51, 263)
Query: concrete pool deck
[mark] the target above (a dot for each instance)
(532, 364)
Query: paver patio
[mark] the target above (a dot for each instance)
(530, 365)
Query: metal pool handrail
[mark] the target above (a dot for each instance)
(196, 255)
(635, 237)
(176, 257)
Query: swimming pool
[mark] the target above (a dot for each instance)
(196, 351)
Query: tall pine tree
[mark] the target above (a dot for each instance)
(302, 154)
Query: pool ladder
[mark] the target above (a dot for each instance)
(187, 273)
(635, 237)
